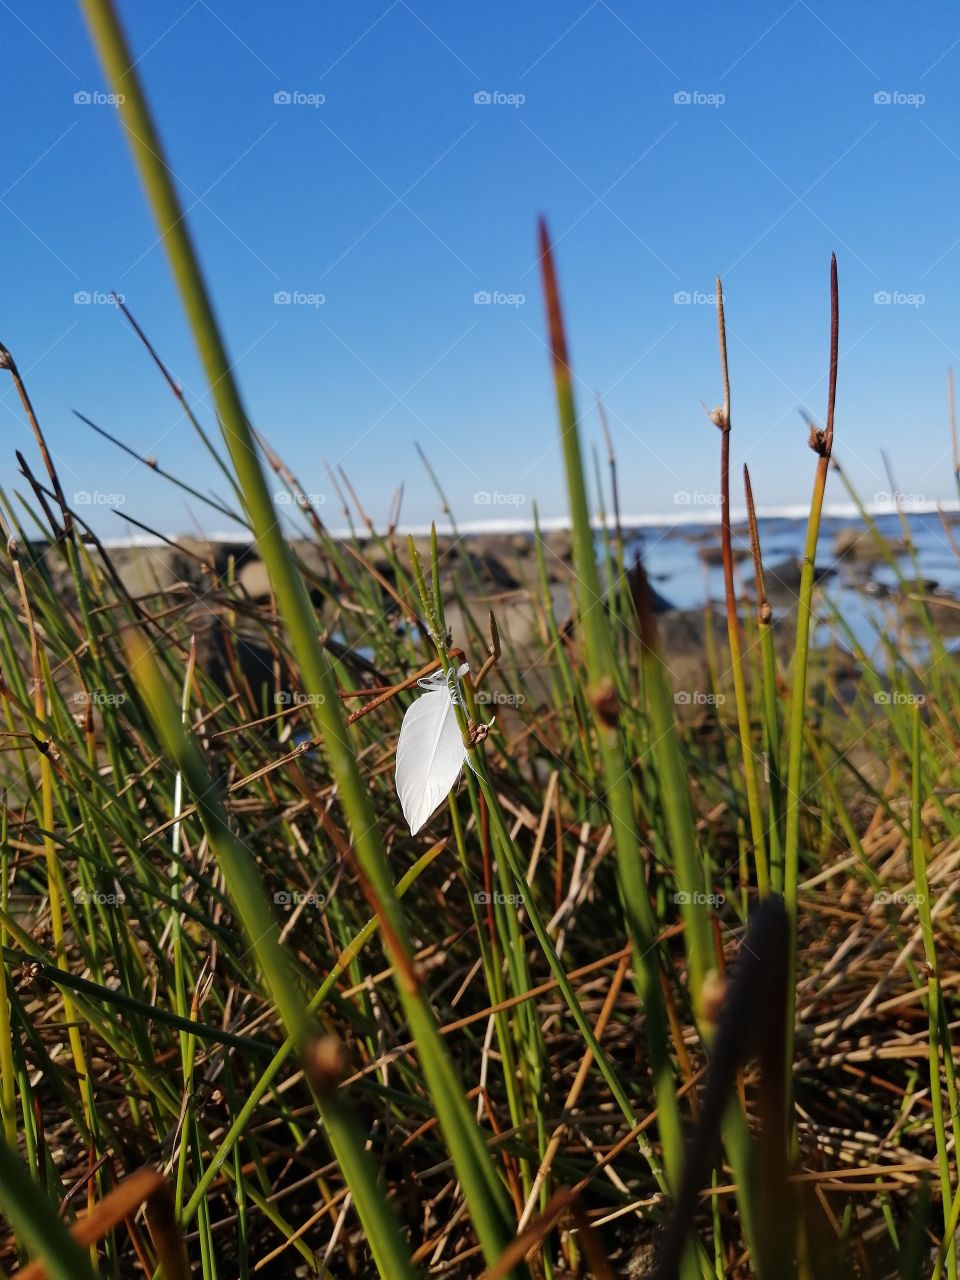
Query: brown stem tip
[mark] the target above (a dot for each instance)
(558, 341)
(834, 353)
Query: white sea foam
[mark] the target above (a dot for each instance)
(661, 520)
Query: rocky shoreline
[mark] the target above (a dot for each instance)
(500, 571)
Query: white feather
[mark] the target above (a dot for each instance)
(430, 750)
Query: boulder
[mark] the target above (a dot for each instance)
(782, 580)
(714, 555)
(148, 571)
(560, 543)
(863, 547)
(254, 580)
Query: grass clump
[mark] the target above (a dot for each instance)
(650, 995)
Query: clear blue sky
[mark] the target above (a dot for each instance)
(401, 197)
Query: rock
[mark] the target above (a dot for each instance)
(254, 580)
(495, 569)
(911, 587)
(681, 633)
(216, 554)
(516, 622)
(257, 665)
(562, 602)
(558, 571)
(312, 556)
(860, 545)
(198, 549)
(560, 543)
(714, 555)
(682, 643)
(487, 547)
(783, 579)
(148, 571)
(944, 613)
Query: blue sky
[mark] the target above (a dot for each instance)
(400, 197)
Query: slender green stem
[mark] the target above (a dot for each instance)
(481, 1185)
(721, 417)
(604, 692)
(822, 443)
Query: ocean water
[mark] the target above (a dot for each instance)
(863, 592)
